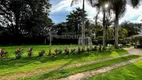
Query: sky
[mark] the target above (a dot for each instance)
(61, 8)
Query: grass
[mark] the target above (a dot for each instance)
(69, 71)
(26, 64)
(129, 72)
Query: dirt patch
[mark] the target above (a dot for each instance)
(87, 74)
(133, 50)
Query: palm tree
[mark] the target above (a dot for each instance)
(119, 7)
(101, 5)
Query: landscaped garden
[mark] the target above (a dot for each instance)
(65, 62)
(70, 40)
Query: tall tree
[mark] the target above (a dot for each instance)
(25, 16)
(118, 7)
(102, 5)
(132, 28)
(83, 24)
(74, 20)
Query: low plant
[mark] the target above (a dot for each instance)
(30, 52)
(95, 48)
(83, 50)
(100, 48)
(3, 53)
(41, 53)
(18, 53)
(49, 52)
(88, 49)
(79, 50)
(66, 50)
(73, 51)
(58, 51)
(104, 48)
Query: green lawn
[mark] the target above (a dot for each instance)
(69, 71)
(26, 64)
(130, 72)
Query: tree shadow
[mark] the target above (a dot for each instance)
(15, 63)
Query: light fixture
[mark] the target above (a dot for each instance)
(106, 5)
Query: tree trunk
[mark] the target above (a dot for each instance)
(96, 18)
(83, 26)
(116, 25)
(104, 30)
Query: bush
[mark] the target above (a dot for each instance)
(79, 50)
(58, 51)
(83, 50)
(18, 53)
(100, 48)
(3, 53)
(88, 49)
(66, 51)
(73, 51)
(49, 52)
(30, 52)
(41, 53)
(95, 48)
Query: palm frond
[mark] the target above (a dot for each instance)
(135, 3)
(73, 2)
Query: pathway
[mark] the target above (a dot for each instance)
(87, 74)
(132, 50)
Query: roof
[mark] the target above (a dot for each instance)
(138, 35)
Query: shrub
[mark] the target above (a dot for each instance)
(73, 51)
(88, 49)
(30, 52)
(49, 52)
(3, 53)
(100, 48)
(109, 49)
(18, 53)
(79, 50)
(56, 51)
(83, 50)
(41, 53)
(53, 55)
(66, 51)
(104, 48)
(95, 48)
(60, 51)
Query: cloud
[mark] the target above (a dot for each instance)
(62, 5)
(65, 6)
(132, 15)
(139, 20)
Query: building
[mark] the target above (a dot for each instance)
(138, 40)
